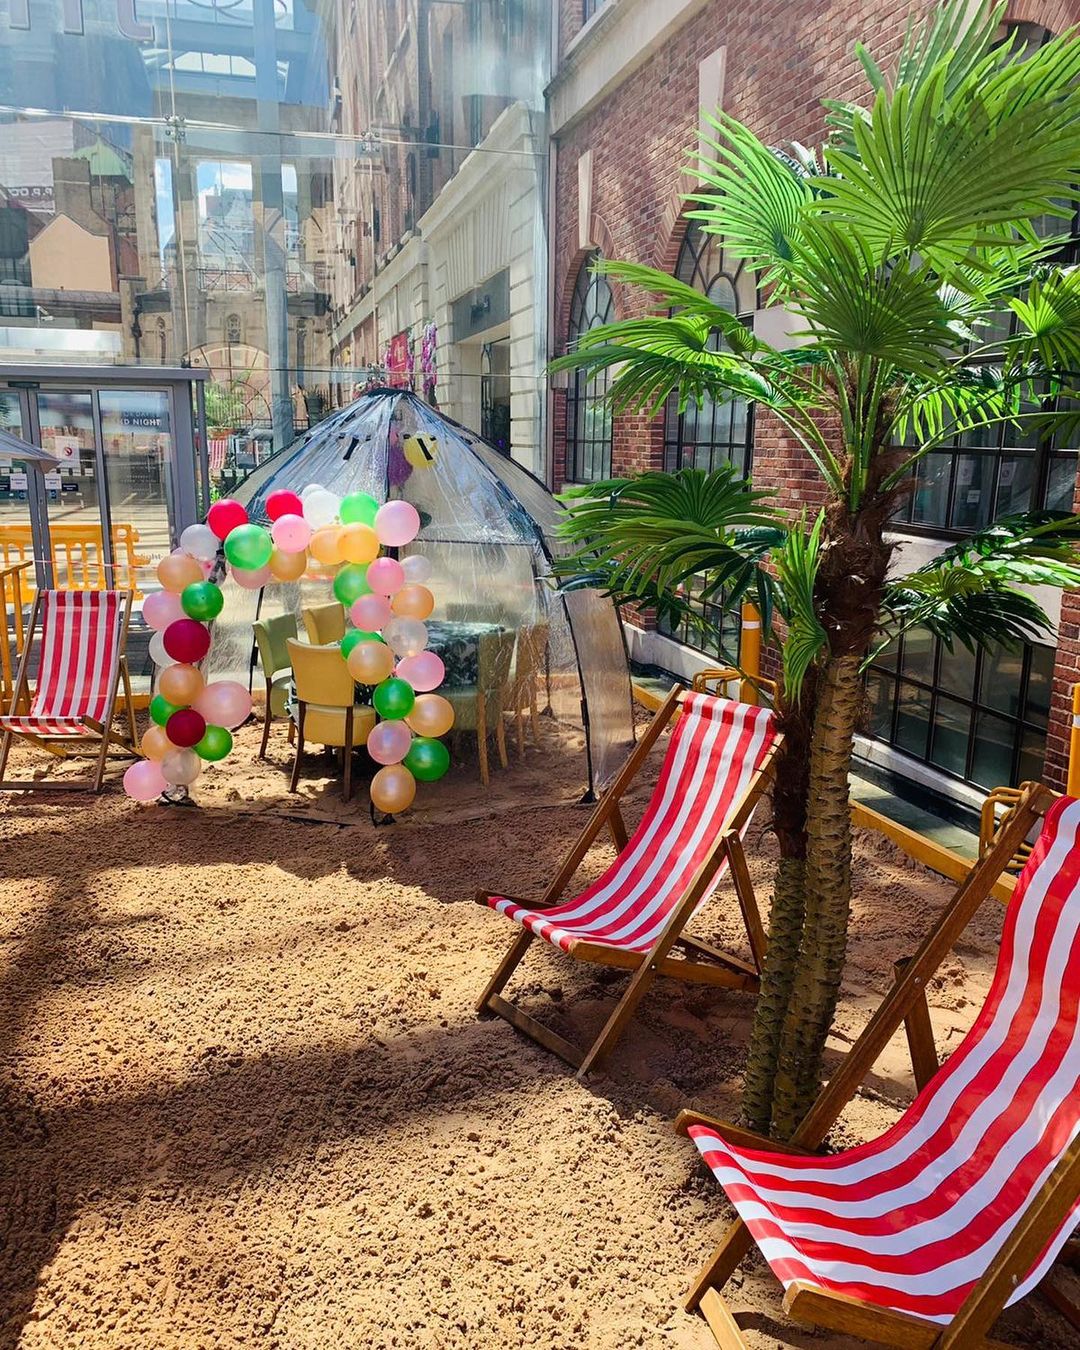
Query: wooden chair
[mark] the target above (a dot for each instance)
(525, 673)
(717, 765)
(324, 623)
(921, 1237)
(327, 712)
(271, 639)
(480, 707)
(81, 665)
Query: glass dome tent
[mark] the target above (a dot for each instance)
(489, 529)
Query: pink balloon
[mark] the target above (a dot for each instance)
(370, 612)
(160, 609)
(224, 703)
(252, 581)
(388, 742)
(144, 781)
(290, 533)
(397, 523)
(424, 671)
(385, 576)
(416, 567)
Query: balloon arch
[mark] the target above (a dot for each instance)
(315, 535)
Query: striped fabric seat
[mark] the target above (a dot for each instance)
(911, 1221)
(80, 655)
(714, 751)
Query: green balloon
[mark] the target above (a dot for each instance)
(215, 744)
(351, 583)
(355, 636)
(202, 600)
(248, 547)
(393, 699)
(161, 709)
(358, 508)
(427, 759)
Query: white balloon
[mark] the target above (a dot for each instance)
(181, 766)
(201, 542)
(311, 487)
(417, 567)
(321, 508)
(158, 654)
(406, 637)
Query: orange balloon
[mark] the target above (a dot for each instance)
(370, 662)
(413, 602)
(325, 546)
(359, 544)
(287, 566)
(432, 715)
(393, 789)
(180, 685)
(155, 744)
(179, 570)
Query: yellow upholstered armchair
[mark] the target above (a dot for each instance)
(326, 707)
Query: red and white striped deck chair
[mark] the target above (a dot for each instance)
(922, 1236)
(717, 765)
(81, 663)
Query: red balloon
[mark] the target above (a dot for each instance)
(186, 640)
(186, 727)
(283, 503)
(226, 515)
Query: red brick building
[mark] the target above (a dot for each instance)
(630, 78)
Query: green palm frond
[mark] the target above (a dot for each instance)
(806, 641)
(960, 400)
(1049, 320)
(753, 197)
(935, 166)
(973, 615)
(647, 537)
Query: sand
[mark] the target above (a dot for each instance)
(246, 1100)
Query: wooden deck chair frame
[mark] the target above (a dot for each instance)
(718, 968)
(905, 1005)
(65, 747)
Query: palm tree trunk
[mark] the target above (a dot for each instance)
(781, 961)
(828, 896)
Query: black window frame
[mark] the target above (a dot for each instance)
(589, 457)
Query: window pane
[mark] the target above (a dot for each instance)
(952, 733)
(913, 719)
(957, 671)
(887, 657)
(1040, 686)
(1016, 474)
(1032, 757)
(1061, 484)
(999, 683)
(880, 691)
(993, 751)
(974, 491)
(919, 655)
(931, 500)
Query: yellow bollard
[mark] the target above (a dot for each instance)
(1073, 784)
(750, 654)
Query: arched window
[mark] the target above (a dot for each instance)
(233, 334)
(702, 437)
(588, 414)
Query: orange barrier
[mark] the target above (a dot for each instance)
(14, 588)
(77, 555)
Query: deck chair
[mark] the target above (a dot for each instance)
(921, 1237)
(716, 768)
(81, 663)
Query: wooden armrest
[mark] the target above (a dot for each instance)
(734, 1134)
(481, 898)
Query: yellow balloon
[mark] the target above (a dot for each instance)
(413, 602)
(179, 570)
(370, 662)
(420, 451)
(359, 544)
(287, 566)
(432, 715)
(155, 744)
(180, 685)
(393, 789)
(325, 546)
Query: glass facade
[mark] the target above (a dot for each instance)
(588, 413)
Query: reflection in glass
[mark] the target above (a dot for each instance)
(952, 730)
(919, 655)
(136, 436)
(957, 670)
(912, 719)
(992, 750)
(999, 684)
(973, 491)
(930, 503)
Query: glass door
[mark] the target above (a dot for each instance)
(138, 456)
(79, 544)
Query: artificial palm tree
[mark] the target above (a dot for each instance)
(927, 217)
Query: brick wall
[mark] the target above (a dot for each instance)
(782, 58)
